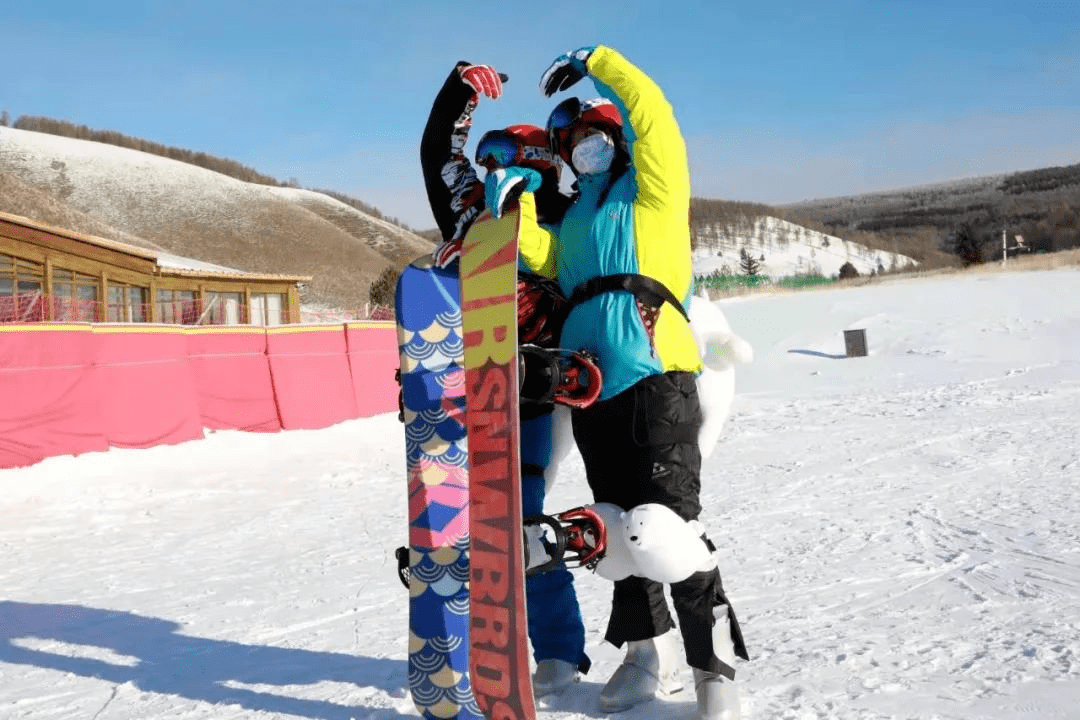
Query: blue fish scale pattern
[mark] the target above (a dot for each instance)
(432, 350)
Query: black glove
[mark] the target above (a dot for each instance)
(567, 69)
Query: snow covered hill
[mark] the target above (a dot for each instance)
(186, 210)
(197, 213)
(784, 249)
(900, 534)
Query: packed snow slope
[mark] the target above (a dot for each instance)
(900, 535)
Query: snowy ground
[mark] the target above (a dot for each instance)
(900, 535)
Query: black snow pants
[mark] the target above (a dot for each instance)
(641, 447)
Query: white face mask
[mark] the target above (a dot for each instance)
(593, 154)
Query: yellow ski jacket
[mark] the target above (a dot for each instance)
(639, 226)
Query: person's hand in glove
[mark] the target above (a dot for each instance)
(503, 187)
(567, 69)
(483, 79)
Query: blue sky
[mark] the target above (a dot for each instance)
(778, 101)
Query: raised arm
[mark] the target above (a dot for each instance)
(657, 150)
(454, 191)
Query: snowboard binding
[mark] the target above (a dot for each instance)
(558, 376)
(577, 538)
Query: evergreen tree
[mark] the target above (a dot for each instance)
(747, 263)
(967, 245)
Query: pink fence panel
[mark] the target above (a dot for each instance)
(231, 372)
(48, 394)
(69, 388)
(310, 369)
(373, 359)
(147, 393)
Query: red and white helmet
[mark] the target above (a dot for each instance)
(516, 145)
(573, 113)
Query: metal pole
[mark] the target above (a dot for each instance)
(1004, 249)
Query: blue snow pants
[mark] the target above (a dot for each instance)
(556, 629)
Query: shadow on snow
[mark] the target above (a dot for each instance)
(196, 668)
(817, 353)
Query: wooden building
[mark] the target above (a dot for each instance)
(50, 274)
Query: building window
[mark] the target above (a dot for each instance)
(223, 308)
(128, 303)
(268, 309)
(75, 296)
(20, 290)
(177, 307)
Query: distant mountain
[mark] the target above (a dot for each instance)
(1043, 205)
(153, 201)
(157, 202)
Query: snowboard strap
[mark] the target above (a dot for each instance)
(553, 375)
(578, 539)
(649, 291)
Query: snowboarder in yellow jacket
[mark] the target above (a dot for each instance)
(622, 256)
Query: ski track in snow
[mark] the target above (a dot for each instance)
(899, 535)
(884, 549)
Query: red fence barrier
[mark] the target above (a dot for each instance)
(49, 396)
(74, 388)
(311, 362)
(232, 378)
(147, 396)
(373, 353)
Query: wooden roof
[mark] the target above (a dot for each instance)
(149, 254)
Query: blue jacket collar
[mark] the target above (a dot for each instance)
(593, 185)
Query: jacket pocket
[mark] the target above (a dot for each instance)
(666, 410)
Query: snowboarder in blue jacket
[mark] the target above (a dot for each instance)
(621, 255)
(457, 197)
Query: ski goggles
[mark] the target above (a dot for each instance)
(499, 150)
(572, 110)
(565, 114)
(571, 113)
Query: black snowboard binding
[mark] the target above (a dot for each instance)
(577, 538)
(403, 574)
(558, 376)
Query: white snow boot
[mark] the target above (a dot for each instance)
(647, 670)
(553, 676)
(717, 695)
